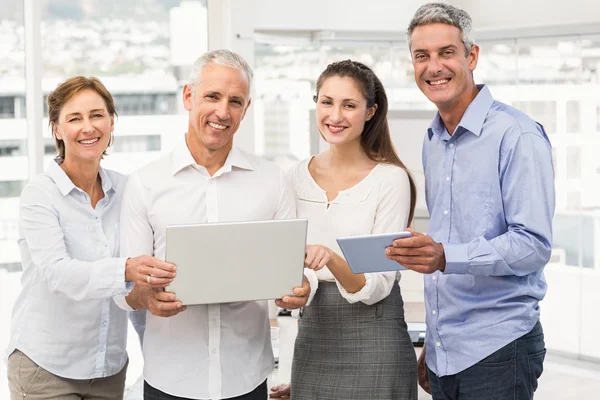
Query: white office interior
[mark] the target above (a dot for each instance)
(540, 56)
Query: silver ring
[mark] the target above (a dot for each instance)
(148, 278)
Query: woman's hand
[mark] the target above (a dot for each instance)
(280, 391)
(317, 256)
(146, 271)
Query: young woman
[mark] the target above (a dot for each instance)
(68, 336)
(352, 341)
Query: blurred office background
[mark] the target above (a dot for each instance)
(540, 56)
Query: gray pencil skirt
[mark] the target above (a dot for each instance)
(349, 351)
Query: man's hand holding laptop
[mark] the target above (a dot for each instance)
(298, 299)
(165, 304)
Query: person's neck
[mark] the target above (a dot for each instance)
(212, 160)
(452, 113)
(346, 156)
(84, 175)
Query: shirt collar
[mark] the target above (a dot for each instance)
(107, 185)
(473, 118)
(64, 183)
(182, 158)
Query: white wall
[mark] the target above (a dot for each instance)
(394, 15)
(408, 132)
(570, 311)
(347, 15)
(492, 14)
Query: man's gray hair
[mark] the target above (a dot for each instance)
(442, 13)
(220, 57)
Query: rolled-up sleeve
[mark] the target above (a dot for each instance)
(393, 212)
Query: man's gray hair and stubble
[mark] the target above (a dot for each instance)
(220, 57)
(442, 13)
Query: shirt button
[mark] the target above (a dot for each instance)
(438, 344)
(434, 278)
(451, 145)
(102, 349)
(434, 312)
(445, 212)
(104, 323)
(447, 179)
(214, 351)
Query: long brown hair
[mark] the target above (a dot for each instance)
(375, 138)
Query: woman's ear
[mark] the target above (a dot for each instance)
(55, 132)
(371, 111)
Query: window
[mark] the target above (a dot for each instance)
(573, 163)
(573, 116)
(12, 147)
(10, 189)
(543, 112)
(497, 66)
(552, 79)
(18, 147)
(286, 74)
(285, 83)
(277, 121)
(574, 202)
(7, 107)
(50, 149)
(145, 104)
(136, 144)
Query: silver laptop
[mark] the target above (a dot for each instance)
(236, 261)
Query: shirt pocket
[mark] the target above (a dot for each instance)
(474, 209)
(80, 240)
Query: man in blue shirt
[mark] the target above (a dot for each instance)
(490, 195)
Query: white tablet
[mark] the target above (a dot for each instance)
(236, 261)
(367, 253)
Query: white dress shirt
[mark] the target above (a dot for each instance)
(380, 203)
(64, 318)
(208, 351)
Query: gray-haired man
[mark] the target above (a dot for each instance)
(490, 193)
(216, 351)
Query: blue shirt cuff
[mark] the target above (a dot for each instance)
(457, 258)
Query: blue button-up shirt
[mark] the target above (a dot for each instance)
(490, 195)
